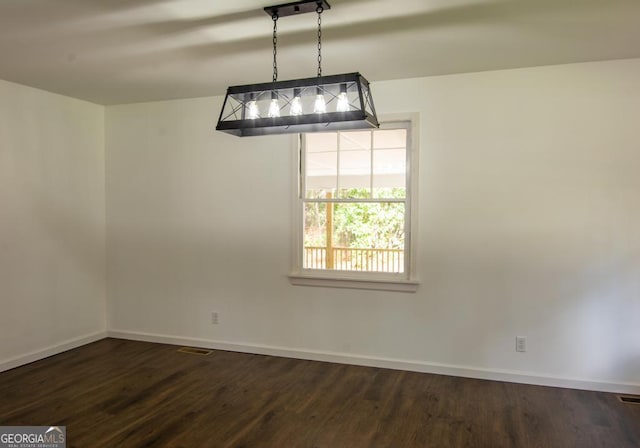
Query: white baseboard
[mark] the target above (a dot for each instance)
(387, 363)
(51, 350)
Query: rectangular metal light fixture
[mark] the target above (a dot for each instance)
(325, 103)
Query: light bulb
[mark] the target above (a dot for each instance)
(296, 104)
(274, 108)
(319, 106)
(252, 110)
(343, 102)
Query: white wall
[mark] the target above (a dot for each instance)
(529, 225)
(52, 223)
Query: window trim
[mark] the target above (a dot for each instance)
(404, 282)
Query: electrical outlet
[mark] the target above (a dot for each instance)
(214, 318)
(521, 344)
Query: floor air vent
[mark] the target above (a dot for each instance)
(629, 400)
(195, 351)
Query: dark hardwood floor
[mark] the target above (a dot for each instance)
(116, 393)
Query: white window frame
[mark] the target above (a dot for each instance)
(404, 282)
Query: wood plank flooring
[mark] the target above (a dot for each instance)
(116, 393)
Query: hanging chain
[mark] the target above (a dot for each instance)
(319, 10)
(275, 46)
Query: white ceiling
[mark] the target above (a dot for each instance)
(122, 51)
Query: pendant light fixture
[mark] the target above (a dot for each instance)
(317, 104)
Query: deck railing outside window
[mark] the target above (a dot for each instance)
(354, 259)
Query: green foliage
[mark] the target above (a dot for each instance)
(377, 225)
(315, 221)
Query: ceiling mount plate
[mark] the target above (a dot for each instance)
(295, 8)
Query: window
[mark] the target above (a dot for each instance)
(354, 207)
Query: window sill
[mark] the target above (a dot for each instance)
(397, 285)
